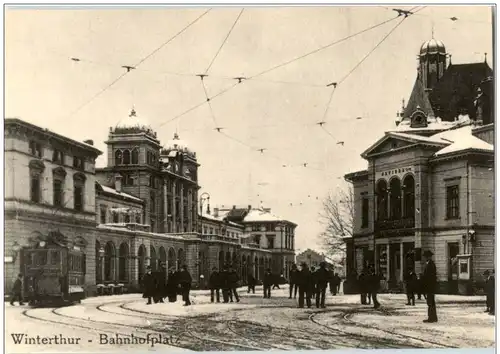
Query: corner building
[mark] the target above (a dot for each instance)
(429, 184)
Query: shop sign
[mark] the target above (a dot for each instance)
(400, 172)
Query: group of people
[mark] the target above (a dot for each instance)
(159, 285)
(226, 280)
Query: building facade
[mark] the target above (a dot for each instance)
(311, 258)
(141, 209)
(429, 184)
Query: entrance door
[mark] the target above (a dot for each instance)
(453, 250)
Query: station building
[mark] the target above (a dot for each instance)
(142, 208)
(429, 184)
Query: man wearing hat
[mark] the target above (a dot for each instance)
(148, 285)
(429, 279)
(305, 285)
(490, 292)
(321, 279)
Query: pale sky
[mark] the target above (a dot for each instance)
(45, 87)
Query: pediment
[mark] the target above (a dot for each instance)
(393, 141)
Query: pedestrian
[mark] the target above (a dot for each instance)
(268, 281)
(233, 284)
(251, 283)
(490, 292)
(148, 285)
(411, 285)
(294, 272)
(313, 284)
(214, 285)
(429, 279)
(185, 281)
(321, 280)
(224, 284)
(172, 285)
(160, 283)
(338, 282)
(373, 284)
(362, 284)
(17, 291)
(305, 282)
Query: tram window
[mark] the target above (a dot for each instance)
(27, 258)
(54, 257)
(41, 258)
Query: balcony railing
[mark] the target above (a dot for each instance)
(405, 223)
(220, 238)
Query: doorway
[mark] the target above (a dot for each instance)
(453, 250)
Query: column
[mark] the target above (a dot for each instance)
(389, 270)
(182, 207)
(174, 209)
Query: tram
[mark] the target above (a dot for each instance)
(53, 273)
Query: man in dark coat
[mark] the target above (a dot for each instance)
(251, 283)
(17, 290)
(172, 285)
(335, 282)
(313, 284)
(411, 284)
(373, 284)
(233, 279)
(362, 287)
(321, 280)
(294, 273)
(490, 292)
(429, 279)
(224, 284)
(214, 285)
(305, 282)
(148, 285)
(161, 282)
(268, 282)
(185, 281)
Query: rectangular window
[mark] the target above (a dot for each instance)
(103, 214)
(270, 242)
(35, 149)
(77, 163)
(78, 197)
(35, 189)
(452, 202)
(257, 239)
(58, 193)
(57, 156)
(364, 213)
(137, 219)
(54, 257)
(115, 218)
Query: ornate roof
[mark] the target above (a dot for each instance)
(432, 46)
(134, 124)
(176, 144)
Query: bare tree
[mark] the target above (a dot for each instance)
(338, 220)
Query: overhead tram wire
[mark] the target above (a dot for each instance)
(136, 65)
(279, 66)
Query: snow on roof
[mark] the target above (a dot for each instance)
(219, 218)
(113, 191)
(404, 126)
(466, 142)
(256, 215)
(416, 137)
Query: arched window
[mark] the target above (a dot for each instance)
(141, 257)
(152, 254)
(135, 156)
(123, 263)
(172, 261)
(163, 255)
(118, 157)
(109, 261)
(409, 197)
(382, 200)
(221, 260)
(181, 258)
(126, 157)
(395, 186)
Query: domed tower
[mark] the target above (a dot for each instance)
(432, 62)
(134, 165)
(180, 168)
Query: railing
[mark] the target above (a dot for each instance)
(406, 223)
(219, 238)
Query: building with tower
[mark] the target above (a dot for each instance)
(429, 184)
(139, 210)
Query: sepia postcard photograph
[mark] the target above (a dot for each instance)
(239, 177)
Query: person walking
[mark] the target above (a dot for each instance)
(251, 283)
(172, 285)
(321, 280)
(233, 284)
(411, 285)
(17, 291)
(294, 272)
(214, 285)
(429, 279)
(362, 282)
(224, 284)
(268, 282)
(185, 281)
(305, 284)
(148, 285)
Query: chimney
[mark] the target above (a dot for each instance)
(216, 212)
(118, 183)
(89, 141)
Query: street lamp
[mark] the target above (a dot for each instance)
(204, 196)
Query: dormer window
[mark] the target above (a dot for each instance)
(418, 120)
